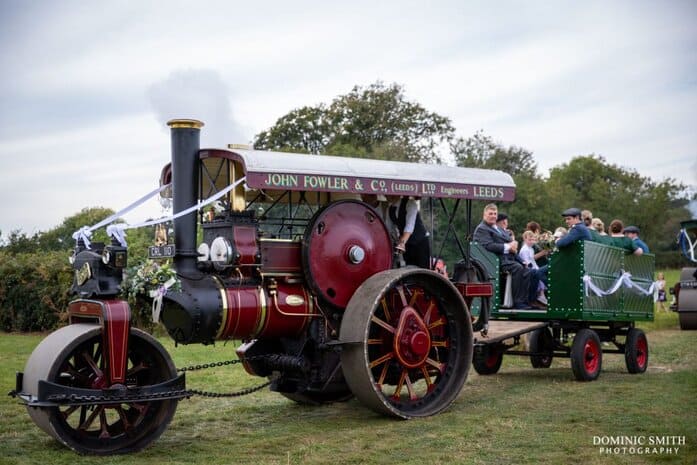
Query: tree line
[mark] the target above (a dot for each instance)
(376, 121)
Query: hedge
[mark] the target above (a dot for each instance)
(33, 290)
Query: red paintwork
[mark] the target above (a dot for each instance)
(479, 290)
(642, 350)
(115, 317)
(245, 239)
(283, 316)
(591, 352)
(336, 229)
(244, 313)
(280, 257)
(412, 341)
(253, 312)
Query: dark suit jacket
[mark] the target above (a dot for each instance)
(493, 240)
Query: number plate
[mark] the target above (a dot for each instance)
(161, 251)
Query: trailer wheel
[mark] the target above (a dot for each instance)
(586, 355)
(636, 351)
(487, 360)
(74, 356)
(406, 343)
(541, 342)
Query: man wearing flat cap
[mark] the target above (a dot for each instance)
(632, 232)
(577, 228)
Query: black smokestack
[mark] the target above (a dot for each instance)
(186, 135)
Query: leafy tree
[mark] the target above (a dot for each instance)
(612, 192)
(61, 237)
(481, 151)
(374, 122)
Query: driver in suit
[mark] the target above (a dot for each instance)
(499, 242)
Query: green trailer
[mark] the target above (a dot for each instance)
(596, 293)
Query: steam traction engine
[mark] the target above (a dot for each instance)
(296, 267)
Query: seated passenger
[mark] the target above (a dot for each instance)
(599, 226)
(577, 228)
(632, 232)
(527, 256)
(617, 239)
(500, 243)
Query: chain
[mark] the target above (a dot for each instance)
(210, 365)
(173, 394)
(243, 392)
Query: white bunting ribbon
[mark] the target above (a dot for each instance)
(687, 247)
(117, 230)
(625, 280)
(85, 233)
(157, 296)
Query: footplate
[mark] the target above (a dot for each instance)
(53, 395)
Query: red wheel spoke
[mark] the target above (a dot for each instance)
(410, 388)
(69, 411)
(414, 296)
(438, 322)
(124, 419)
(400, 384)
(90, 361)
(382, 324)
(383, 374)
(438, 365)
(402, 296)
(375, 341)
(84, 426)
(427, 377)
(382, 359)
(385, 309)
(427, 315)
(133, 370)
(440, 343)
(104, 433)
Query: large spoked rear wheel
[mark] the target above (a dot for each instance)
(586, 355)
(407, 343)
(74, 356)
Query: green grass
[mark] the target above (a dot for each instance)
(520, 416)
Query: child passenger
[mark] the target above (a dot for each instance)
(527, 256)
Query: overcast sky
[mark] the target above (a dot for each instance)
(86, 87)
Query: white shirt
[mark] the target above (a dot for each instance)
(527, 254)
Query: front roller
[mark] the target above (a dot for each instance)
(74, 356)
(407, 343)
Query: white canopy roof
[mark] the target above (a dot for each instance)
(280, 170)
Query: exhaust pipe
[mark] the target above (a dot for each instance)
(186, 134)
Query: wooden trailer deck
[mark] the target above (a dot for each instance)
(500, 330)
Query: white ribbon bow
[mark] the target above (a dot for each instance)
(624, 280)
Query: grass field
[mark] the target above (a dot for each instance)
(519, 416)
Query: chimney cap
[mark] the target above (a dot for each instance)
(185, 123)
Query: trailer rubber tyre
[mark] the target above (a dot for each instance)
(586, 355)
(406, 343)
(487, 360)
(636, 351)
(74, 356)
(541, 342)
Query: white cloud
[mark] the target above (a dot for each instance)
(78, 127)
